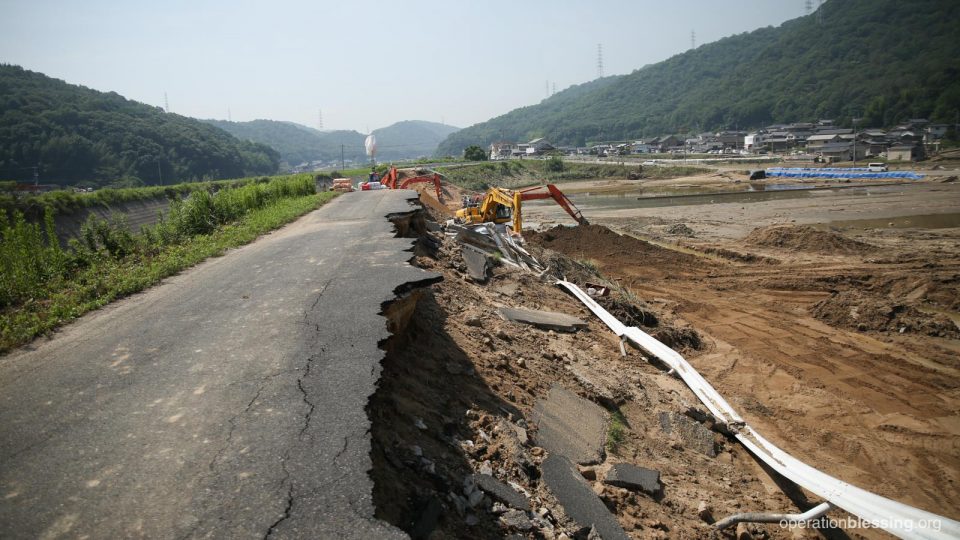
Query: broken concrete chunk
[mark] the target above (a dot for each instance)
(547, 320)
(579, 501)
(516, 520)
(634, 478)
(571, 426)
(501, 492)
(693, 434)
(478, 263)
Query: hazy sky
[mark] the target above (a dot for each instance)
(365, 64)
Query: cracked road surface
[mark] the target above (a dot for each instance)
(227, 402)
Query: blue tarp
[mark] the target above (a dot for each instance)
(819, 169)
(834, 172)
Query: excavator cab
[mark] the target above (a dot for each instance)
(500, 205)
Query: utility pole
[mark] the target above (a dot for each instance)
(341, 159)
(855, 141)
(599, 60)
(159, 171)
(36, 176)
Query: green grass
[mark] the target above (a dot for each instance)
(66, 201)
(616, 431)
(108, 262)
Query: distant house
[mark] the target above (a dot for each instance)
(539, 146)
(936, 131)
(662, 144)
(753, 141)
(816, 142)
(641, 148)
(905, 152)
(841, 151)
(875, 147)
(519, 149)
(500, 150)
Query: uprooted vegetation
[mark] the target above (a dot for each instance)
(457, 399)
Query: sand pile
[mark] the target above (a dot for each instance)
(803, 238)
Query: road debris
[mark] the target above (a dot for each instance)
(547, 320)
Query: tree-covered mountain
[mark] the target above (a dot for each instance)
(74, 134)
(297, 143)
(411, 139)
(884, 60)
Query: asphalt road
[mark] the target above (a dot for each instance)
(227, 402)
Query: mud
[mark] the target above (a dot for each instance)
(837, 345)
(840, 344)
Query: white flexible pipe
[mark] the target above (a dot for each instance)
(785, 519)
(902, 520)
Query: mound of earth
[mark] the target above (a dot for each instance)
(600, 244)
(628, 313)
(852, 309)
(804, 238)
(680, 229)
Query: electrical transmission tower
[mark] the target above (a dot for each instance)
(554, 89)
(319, 118)
(166, 103)
(693, 39)
(808, 6)
(599, 60)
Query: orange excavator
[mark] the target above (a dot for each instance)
(393, 180)
(501, 205)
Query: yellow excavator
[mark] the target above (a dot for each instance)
(501, 205)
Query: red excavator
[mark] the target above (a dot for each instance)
(396, 180)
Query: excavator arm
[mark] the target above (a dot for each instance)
(553, 192)
(435, 180)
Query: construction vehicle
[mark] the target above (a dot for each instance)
(395, 180)
(501, 205)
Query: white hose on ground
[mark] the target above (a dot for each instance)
(874, 511)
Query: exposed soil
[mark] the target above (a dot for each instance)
(805, 238)
(837, 345)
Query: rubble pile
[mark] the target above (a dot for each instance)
(506, 409)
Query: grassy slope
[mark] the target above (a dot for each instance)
(112, 279)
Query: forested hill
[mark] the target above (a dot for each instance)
(297, 143)
(74, 134)
(884, 60)
(410, 139)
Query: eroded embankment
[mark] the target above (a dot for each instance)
(458, 394)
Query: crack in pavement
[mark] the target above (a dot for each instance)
(285, 516)
(319, 296)
(233, 419)
(306, 399)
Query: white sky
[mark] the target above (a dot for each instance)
(365, 64)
